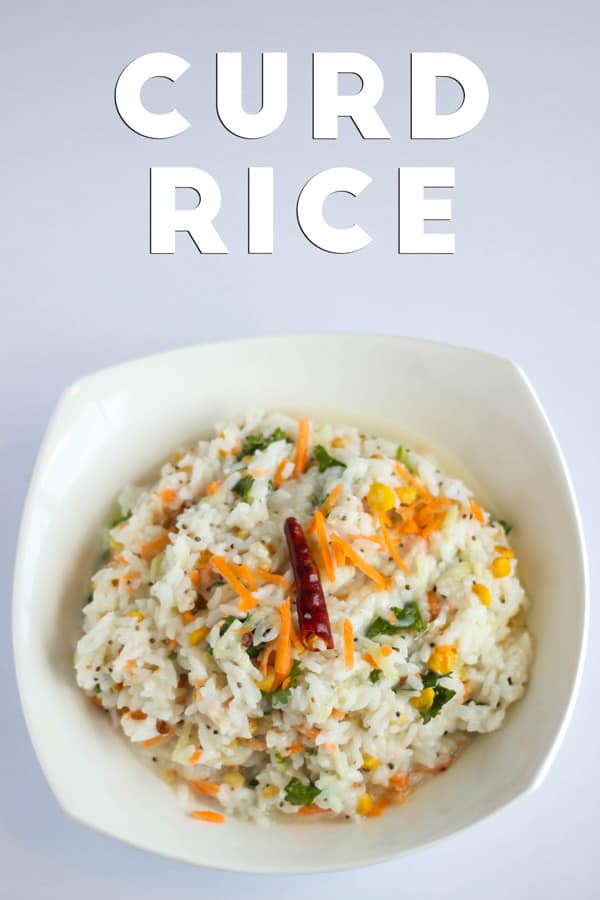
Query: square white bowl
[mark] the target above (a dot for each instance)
(476, 411)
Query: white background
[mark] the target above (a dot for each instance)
(80, 291)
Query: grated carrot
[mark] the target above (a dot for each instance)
(278, 478)
(324, 546)
(386, 650)
(311, 733)
(309, 810)
(266, 655)
(156, 740)
(151, 548)
(171, 645)
(208, 815)
(204, 787)
(273, 577)
(330, 747)
(194, 577)
(129, 665)
(167, 496)
(253, 744)
(399, 782)
(366, 569)
(348, 644)
(212, 488)
(368, 658)
(195, 757)
(283, 654)
(293, 748)
(244, 572)
(247, 601)
(338, 713)
(302, 448)
(331, 499)
(434, 605)
(476, 510)
(188, 616)
(390, 545)
(339, 557)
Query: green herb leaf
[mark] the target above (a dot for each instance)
(403, 455)
(442, 695)
(408, 617)
(120, 519)
(295, 672)
(311, 751)
(279, 759)
(256, 442)
(281, 696)
(300, 794)
(253, 783)
(325, 460)
(243, 487)
(254, 649)
(88, 599)
(229, 621)
(97, 689)
(375, 675)
(316, 499)
(507, 528)
(173, 655)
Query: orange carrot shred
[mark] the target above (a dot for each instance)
(348, 644)
(302, 448)
(278, 478)
(208, 815)
(151, 548)
(204, 787)
(324, 546)
(212, 488)
(309, 810)
(167, 496)
(195, 757)
(386, 650)
(359, 562)
(283, 654)
(368, 658)
(389, 544)
(331, 499)
(156, 740)
(476, 510)
(247, 601)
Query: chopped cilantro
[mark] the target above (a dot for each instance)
(88, 599)
(300, 794)
(253, 783)
(375, 675)
(507, 528)
(97, 689)
(409, 616)
(279, 759)
(325, 460)
(441, 695)
(403, 456)
(243, 487)
(254, 649)
(120, 519)
(282, 695)
(311, 751)
(173, 655)
(229, 621)
(256, 442)
(316, 499)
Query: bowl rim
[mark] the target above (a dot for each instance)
(537, 777)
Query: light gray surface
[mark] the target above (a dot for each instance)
(80, 291)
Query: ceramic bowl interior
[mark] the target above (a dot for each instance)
(476, 411)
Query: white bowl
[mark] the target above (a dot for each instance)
(477, 411)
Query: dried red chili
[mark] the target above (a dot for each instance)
(313, 618)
